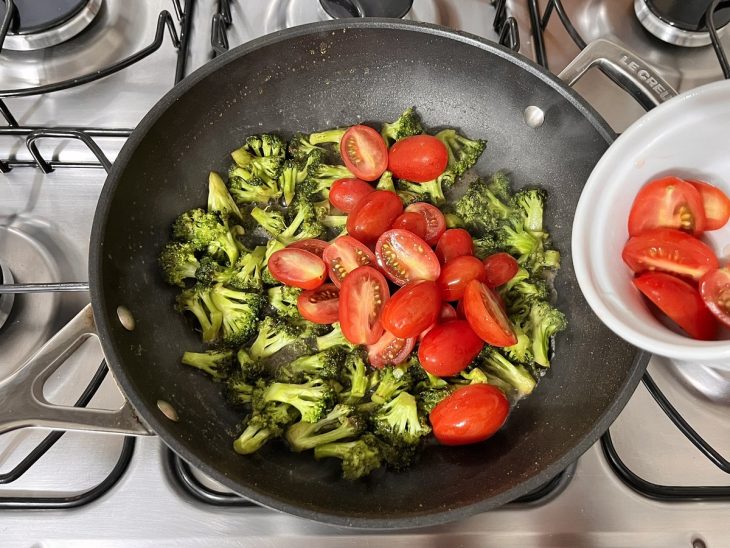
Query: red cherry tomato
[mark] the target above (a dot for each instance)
(680, 301)
(460, 310)
(411, 309)
(669, 250)
(297, 268)
(457, 273)
(390, 350)
(404, 257)
(346, 193)
(344, 255)
(716, 204)
(312, 245)
(500, 268)
(668, 203)
(373, 215)
(455, 242)
(487, 316)
(363, 295)
(715, 290)
(364, 152)
(419, 158)
(446, 314)
(320, 305)
(435, 221)
(448, 348)
(411, 222)
(471, 414)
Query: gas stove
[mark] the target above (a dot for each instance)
(643, 484)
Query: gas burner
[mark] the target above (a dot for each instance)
(706, 381)
(6, 301)
(342, 9)
(679, 22)
(29, 323)
(39, 24)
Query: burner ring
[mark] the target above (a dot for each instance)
(340, 9)
(6, 299)
(668, 32)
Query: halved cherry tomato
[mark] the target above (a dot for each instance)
(669, 203)
(344, 255)
(457, 273)
(411, 309)
(500, 268)
(346, 193)
(486, 316)
(312, 245)
(419, 158)
(680, 301)
(390, 350)
(373, 215)
(448, 348)
(715, 290)
(715, 202)
(404, 257)
(320, 305)
(297, 268)
(413, 222)
(455, 242)
(460, 310)
(364, 152)
(446, 314)
(435, 221)
(669, 250)
(363, 295)
(470, 414)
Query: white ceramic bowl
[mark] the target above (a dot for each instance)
(688, 136)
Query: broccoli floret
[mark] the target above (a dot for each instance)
(355, 377)
(249, 368)
(238, 390)
(340, 423)
(333, 338)
(428, 399)
(463, 152)
(359, 457)
(300, 147)
(485, 246)
(532, 204)
(524, 244)
(515, 375)
(178, 262)
(247, 271)
(245, 187)
(325, 365)
(264, 425)
(266, 144)
(303, 224)
(293, 173)
(216, 363)
(219, 199)
(453, 220)
(474, 375)
(327, 136)
(264, 167)
(408, 197)
(521, 351)
(199, 301)
(204, 231)
(386, 182)
(240, 311)
(312, 399)
(430, 191)
(393, 381)
(210, 271)
(398, 421)
(271, 220)
(407, 124)
(284, 299)
(273, 335)
(323, 175)
(545, 321)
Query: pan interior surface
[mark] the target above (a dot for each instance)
(328, 75)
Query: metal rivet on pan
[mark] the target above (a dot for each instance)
(125, 318)
(534, 116)
(168, 410)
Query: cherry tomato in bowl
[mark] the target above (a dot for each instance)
(404, 257)
(297, 268)
(419, 158)
(363, 294)
(715, 291)
(373, 215)
(470, 414)
(448, 348)
(435, 221)
(667, 203)
(344, 255)
(364, 152)
(345, 194)
(412, 309)
(453, 243)
(716, 204)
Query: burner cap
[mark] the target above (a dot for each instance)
(42, 23)
(342, 9)
(679, 22)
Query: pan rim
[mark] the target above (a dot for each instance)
(157, 423)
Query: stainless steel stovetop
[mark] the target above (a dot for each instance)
(45, 222)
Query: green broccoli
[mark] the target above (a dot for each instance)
(430, 191)
(264, 425)
(265, 145)
(303, 223)
(323, 175)
(312, 399)
(545, 321)
(333, 338)
(355, 377)
(199, 301)
(245, 187)
(453, 220)
(178, 262)
(284, 299)
(300, 147)
(515, 375)
(219, 199)
(359, 457)
(325, 365)
(463, 152)
(292, 174)
(266, 168)
(407, 124)
(204, 231)
(428, 399)
(273, 335)
(521, 351)
(238, 390)
(247, 271)
(393, 381)
(532, 204)
(240, 311)
(386, 182)
(327, 136)
(216, 363)
(398, 421)
(340, 423)
(249, 368)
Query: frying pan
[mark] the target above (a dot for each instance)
(305, 78)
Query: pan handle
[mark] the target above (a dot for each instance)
(623, 67)
(21, 395)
